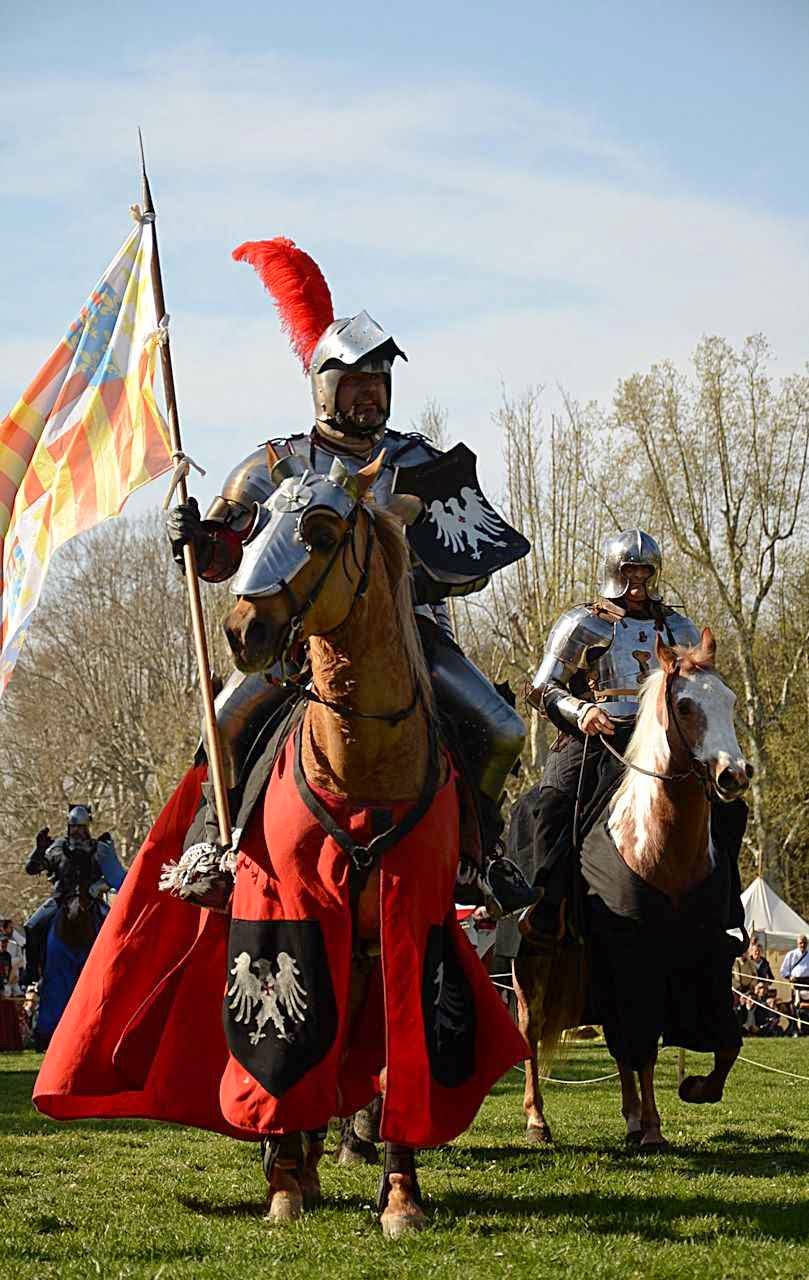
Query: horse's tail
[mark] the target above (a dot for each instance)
(564, 997)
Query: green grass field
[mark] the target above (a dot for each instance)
(133, 1199)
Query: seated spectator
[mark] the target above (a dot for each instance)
(762, 1017)
(795, 969)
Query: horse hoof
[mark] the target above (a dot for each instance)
(397, 1225)
(402, 1215)
(284, 1206)
(698, 1089)
(654, 1147)
(539, 1135)
(633, 1139)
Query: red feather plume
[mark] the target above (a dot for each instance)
(296, 283)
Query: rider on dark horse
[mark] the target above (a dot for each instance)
(350, 378)
(596, 657)
(76, 864)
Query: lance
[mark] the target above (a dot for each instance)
(213, 743)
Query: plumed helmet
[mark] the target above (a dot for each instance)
(327, 348)
(633, 546)
(80, 815)
(357, 344)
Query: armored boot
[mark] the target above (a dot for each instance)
(486, 736)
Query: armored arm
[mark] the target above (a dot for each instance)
(567, 654)
(219, 538)
(37, 863)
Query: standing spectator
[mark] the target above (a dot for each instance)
(5, 968)
(760, 961)
(795, 968)
(16, 945)
(744, 973)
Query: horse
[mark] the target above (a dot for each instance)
(338, 577)
(655, 841)
(72, 932)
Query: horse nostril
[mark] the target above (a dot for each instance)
(749, 770)
(728, 781)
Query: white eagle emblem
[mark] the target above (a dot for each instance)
(449, 1005)
(260, 994)
(467, 520)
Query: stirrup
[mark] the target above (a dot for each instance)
(503, 881)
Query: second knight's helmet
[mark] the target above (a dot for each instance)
(79, 815)
(633, 546)
(327, 348)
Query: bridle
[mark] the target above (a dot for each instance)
(300, 610)
(696, 767)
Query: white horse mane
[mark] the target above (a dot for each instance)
(631, 807)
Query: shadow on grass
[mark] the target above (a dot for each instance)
(228, 1209)
(651, 1217)
(18, 1115)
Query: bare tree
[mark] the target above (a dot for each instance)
(103, 706)
(726, 458)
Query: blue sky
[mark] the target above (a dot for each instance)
(525, 194)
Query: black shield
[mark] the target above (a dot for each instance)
(280, 1013)
(448, 1008)
(460, 536)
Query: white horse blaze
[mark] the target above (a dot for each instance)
(718, 748)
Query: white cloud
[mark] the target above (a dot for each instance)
(499, 238)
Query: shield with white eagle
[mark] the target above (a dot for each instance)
(280, 1012)
(460, 536)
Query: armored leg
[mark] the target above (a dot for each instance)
(492, 733)
(243, 705)
(36, 933)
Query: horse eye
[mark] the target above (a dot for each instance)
(686, 706)
(320, 538)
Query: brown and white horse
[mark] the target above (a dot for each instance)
(682, 752)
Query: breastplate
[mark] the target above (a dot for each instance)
(323, 458)
(621, 670)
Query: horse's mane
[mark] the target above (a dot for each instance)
(396, 555)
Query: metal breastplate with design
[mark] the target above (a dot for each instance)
(619, 672)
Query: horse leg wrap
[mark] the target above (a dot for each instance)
(286, 1150)
(398, 1159)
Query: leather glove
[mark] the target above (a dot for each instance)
(184, 527)
(43, 840)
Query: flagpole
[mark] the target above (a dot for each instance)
(213, 743)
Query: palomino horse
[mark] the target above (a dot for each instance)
(653, 850)
(340, 580)
(72, 933)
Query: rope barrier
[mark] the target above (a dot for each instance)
(789, 1016)
(778, 1070)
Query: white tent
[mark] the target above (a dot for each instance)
(766, 913)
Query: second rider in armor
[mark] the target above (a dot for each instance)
(596, 658)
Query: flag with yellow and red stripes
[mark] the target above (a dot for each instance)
(86, 434)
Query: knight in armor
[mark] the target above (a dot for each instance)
(588, 683)
(351, 385)
(74, 863)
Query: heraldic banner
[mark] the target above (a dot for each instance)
(85, 435)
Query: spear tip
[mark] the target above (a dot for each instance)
(146, 194)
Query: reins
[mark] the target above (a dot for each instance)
(296, 622)
(696, 767)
